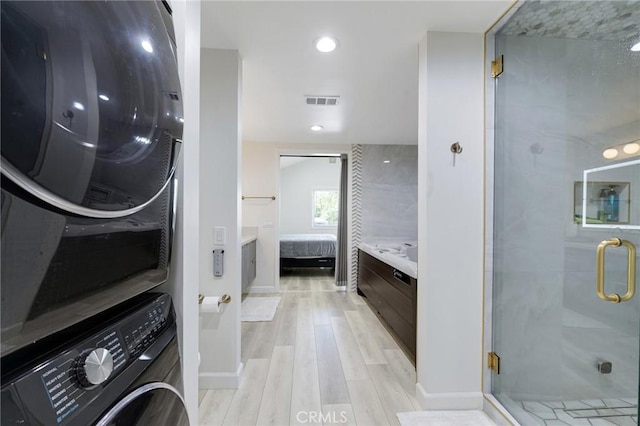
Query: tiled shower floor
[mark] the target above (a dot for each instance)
(592, 412)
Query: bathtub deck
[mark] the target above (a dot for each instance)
(387, 254)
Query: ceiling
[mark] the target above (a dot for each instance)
(374, 70)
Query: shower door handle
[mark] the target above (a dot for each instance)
(631, 270)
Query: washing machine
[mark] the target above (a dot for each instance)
(121, 367)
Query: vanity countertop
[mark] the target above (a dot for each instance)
(399, 261)
(247, 238)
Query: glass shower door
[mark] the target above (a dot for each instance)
(566, 224)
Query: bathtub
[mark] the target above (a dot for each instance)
(401, 255)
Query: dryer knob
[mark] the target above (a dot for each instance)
(94, 367)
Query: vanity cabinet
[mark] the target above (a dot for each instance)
(393, 294)
(248, 264)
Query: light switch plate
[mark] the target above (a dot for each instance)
(267, 223)
(219, 235)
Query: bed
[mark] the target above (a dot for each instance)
(307, 251)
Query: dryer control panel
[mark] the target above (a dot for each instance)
(53, 391)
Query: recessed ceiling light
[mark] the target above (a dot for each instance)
(631, 148)
(78, 106)
(103, 97)
(610, 153)
(326, 44)
(636, 47)
(316, 127)
(386, 161)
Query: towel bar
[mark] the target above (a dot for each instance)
(273, 197)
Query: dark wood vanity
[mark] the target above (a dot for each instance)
(393, 294)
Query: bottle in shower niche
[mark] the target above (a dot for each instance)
(612, 205)
(602, 205)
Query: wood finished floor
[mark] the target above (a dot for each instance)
(324, 359)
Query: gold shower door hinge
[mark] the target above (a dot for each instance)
(497, 66)
(494, 362)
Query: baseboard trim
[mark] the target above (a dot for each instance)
(261, 289)
(220, 380)
(450, 400)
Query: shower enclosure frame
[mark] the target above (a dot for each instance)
(492, 406)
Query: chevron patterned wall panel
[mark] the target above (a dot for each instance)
(356, 210)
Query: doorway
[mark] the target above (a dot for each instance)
(309, 216)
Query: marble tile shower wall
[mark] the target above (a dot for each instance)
(555, 113)
(528, 300)
(608, 20)
(389, 192)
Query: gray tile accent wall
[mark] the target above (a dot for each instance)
(389, 193)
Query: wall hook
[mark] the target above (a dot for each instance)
(456, 149)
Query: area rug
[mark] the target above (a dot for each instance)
(259, 308)
(444, 418)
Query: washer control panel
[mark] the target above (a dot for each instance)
(94, 367)
(146, 326)
(71, 380)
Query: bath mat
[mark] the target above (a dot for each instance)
(259, 308)
(444, 418)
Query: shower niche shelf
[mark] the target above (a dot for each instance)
(607, 203)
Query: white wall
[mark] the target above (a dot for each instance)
(297, 183)
(260, 171)
(220, 177)
(183, 279)
(260, 177)
(450, 223)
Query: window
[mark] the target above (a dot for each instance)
(325, 208)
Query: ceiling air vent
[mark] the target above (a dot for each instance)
(322, 100)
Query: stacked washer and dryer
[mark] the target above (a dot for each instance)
(90, 137)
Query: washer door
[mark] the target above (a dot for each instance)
(152, 404)
(91, 111)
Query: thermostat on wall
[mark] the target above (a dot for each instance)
(218, 258)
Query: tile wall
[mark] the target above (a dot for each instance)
(389, 192)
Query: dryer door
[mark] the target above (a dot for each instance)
(91, 105)
(152, 404)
